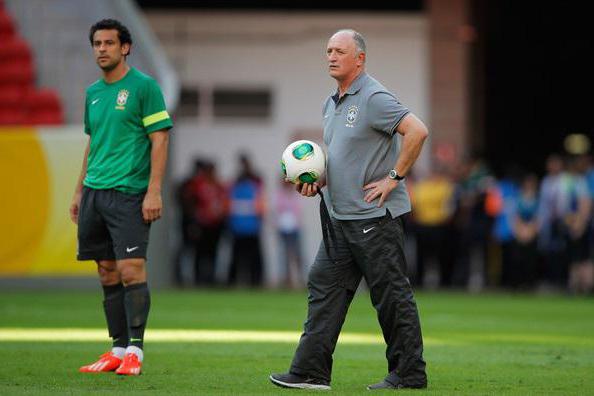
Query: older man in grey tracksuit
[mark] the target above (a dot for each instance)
(366, 198)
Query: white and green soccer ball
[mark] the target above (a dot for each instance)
(303, 161)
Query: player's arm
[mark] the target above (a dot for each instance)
(75, 205)
(152, 205)
(414, 132)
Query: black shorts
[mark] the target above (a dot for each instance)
(110, 226)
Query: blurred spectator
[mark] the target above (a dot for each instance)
(288, 222)
(523, 271)
(247, 206)
(501, 205)
(189, 231)
(471, 224)
(552, 238)
(576, 216)
(589, 163)
(433, 203)
(209, 212)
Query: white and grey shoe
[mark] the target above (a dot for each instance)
(289, 380)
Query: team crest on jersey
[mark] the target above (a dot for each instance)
(122, 99)
(352, 114)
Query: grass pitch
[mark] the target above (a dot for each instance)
(474, 344)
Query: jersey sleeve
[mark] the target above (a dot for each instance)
(385, 112)
(154, 113)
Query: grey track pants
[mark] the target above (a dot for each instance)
(374, 249)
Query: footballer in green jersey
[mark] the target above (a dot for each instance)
(118, 193)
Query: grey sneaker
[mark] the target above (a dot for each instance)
(392, 381)
(385, 385)
(388, 385)
(289, 380)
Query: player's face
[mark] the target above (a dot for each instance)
(109, 52)
(343, 60)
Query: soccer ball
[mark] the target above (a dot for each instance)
(303, 161)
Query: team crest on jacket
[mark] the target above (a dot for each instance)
(352, 114)
(122, 99)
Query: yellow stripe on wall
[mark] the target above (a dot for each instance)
(39, 168)
(153, 118)
(64, 151)
(24, 199)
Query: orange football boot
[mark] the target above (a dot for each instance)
(107, 362)
(130, 365)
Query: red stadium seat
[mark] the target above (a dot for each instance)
(45, 118)
(20, 73)
(10, 116)
(44, 107)
(11, 95)
(6, 26)
(14, 49)
(20, 102)
(43, 99)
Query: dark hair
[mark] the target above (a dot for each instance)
(111, 24)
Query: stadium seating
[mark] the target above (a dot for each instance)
(6, 25)
(21, 102)
(44, 107)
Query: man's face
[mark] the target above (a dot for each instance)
(109, 52)
(343, 60)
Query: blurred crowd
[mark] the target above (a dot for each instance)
(469, 229)
(222, 224)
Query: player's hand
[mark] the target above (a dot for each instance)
(307, 189)
(381, 188)
(74, 207)
(152, 206)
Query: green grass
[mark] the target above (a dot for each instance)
(475, 344)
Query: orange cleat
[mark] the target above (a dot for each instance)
(106, 363)
(130, 365)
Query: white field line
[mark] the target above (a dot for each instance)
(161, 335)
(13, 334)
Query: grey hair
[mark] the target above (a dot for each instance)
(357, 37)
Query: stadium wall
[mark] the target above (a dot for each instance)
(39, 168)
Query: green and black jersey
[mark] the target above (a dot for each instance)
(118, 118)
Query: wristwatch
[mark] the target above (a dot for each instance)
(395, 176)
